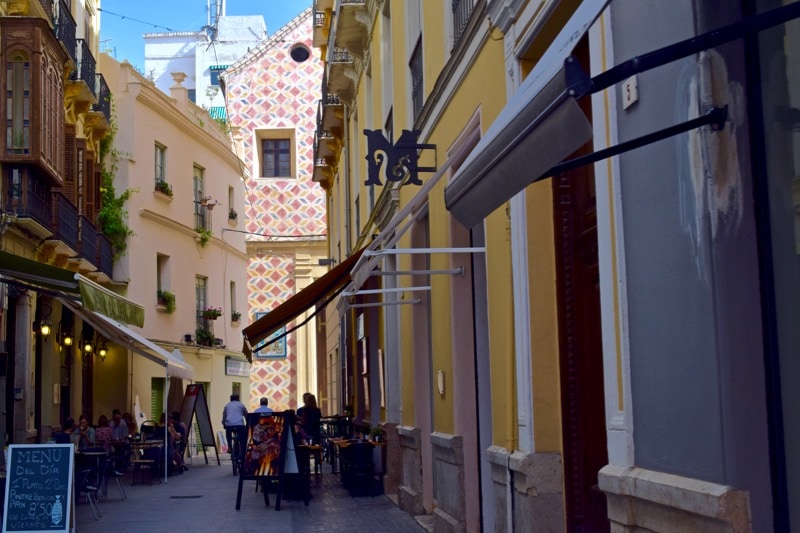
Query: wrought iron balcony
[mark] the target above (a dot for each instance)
(66, 28)
(103, 94)
(29, 198)
(342, 73)
(64, 221)
(105, 258)
(86, 66)
(88, 241)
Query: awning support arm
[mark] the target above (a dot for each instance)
(458, 271)
(696, 44)
(398, 251)
(716, 118)
(387, 290)
(384, 304)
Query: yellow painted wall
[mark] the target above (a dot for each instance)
(543, 318)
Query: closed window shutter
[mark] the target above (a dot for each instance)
(156, 398)
(70, 164)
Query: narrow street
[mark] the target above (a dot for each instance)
(204, 499)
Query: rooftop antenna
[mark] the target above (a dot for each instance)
(216, 9)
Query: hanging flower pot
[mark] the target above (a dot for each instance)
(212, 313)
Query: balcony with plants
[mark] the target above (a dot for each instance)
(165, 301)
(162, 187)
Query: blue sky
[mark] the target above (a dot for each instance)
(123, 22)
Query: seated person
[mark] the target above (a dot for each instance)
(83, 435)
(64, 436)
(118, 425)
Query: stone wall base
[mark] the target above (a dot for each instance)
(410, 500)
(640, 499)
(448, 494)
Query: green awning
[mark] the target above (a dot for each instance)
(35, 275)
(38, 274)
(217, 112)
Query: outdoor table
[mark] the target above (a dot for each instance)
(96, 456)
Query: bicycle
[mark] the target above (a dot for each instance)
(236, 455)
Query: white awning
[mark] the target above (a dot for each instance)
(124, 336)
(539, 127)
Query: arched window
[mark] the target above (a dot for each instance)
(18, 103)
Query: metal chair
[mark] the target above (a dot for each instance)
(84, 487)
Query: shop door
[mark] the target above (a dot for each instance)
(580, 344)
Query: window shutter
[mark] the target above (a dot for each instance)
(156, 398)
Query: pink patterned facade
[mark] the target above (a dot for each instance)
(267, 90)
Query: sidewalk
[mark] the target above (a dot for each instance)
(204, 499)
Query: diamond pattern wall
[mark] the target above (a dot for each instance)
(267, 91)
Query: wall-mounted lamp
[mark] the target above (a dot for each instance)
(65, 337)
(87, 339)
(45, 326)
(102, 351)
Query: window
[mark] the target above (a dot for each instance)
(200, 219)
(462, 9)
(214, 72)
(233, 298)
(160, 165)
(18, 103)
(275, 158)
(162, 272)
(300, 52)
(193, 95)
(200, 297)
(416, 79)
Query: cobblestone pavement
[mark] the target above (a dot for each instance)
(204, 499)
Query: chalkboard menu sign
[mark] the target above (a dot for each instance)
(38, 487)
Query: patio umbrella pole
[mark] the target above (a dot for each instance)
(166, 423)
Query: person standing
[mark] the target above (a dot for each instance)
(264, 406)
(234, 415)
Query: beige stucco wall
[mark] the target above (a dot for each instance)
(166, 226)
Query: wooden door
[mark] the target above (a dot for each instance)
(580, 343)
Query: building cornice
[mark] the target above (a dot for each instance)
(190, 232)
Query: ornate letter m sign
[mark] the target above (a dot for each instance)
(392, 162)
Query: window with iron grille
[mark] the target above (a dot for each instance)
(415, 65)
(462, 9)
(275, 158)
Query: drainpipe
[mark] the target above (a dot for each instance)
(347, 193)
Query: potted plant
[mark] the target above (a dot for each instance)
(236, 316)
(164, 187)
(212, 313)
(232, 214)
(166, 299)
(203, 236)
(203, 336)
(376, 434)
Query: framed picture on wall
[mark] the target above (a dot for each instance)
(276, 350)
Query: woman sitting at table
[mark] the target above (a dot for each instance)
(83, 435)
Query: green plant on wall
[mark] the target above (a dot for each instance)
(204, 336)
(113, 217)
(164, 187)
(204, 235)
(167, 299)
